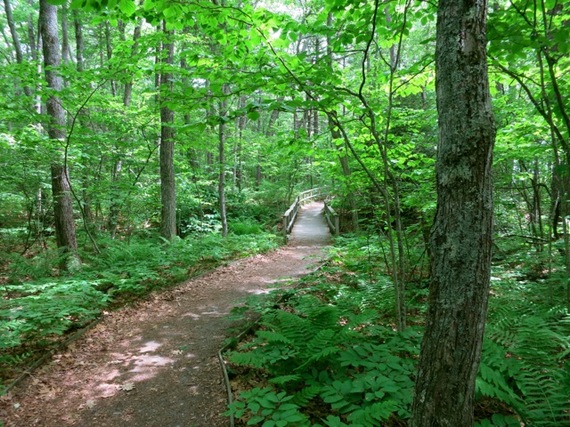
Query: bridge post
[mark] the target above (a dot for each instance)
(332, 219)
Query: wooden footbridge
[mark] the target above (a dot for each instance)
(313, 202)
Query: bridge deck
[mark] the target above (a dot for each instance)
(310, 228)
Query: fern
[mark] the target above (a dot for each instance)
(322, 346)
(374, 414)
(524, 360)
(285, 379)
(306, 394)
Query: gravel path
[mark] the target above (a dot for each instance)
(155, 364)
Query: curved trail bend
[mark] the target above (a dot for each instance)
(155, 364)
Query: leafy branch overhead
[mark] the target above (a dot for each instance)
(144, 142)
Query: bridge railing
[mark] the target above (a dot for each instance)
(311, 194)
(290, 214)
(332, 219)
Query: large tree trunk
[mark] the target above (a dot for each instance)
(462, 233)
(63, 206)
(167, 180)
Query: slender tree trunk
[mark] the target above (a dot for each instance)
(241, 124)
(65, 49)
(13, 31)
(79, 45)
(222, 129)
(35, 44)
(167, 179)
(63, 206)
(115, 206)
(15, 39)
(87, 211)
(342, 150)
(128, 92)
(461, 238)
(109, 50)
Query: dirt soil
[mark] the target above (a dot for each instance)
(155, 364)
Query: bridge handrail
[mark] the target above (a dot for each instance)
(310, 194)
(332, 219)
(290, 214)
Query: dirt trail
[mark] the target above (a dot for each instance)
(155, 364)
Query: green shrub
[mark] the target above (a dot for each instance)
(47, 309)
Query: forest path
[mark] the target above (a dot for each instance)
(155, 364)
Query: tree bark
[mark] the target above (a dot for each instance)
(79, 45)
(109, 50)
(15, 40)
(63, 206)
(223, 106)
(167, 179)
(462, 233)
(65, 49)
(13, 32)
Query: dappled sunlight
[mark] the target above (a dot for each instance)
(150, 346)
(143, 363)
(103, 390)
(192, 315)
(259, 291)
(126, 369)
(214, 313)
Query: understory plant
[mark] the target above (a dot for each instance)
(36, 309)
(328, 354)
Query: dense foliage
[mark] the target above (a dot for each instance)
(328, 354)
(260, 100)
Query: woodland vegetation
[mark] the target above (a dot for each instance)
(142, 142)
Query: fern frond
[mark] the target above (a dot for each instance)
(530, 344)
(246, 359)
(285, 379)
(372, 415)
(306, 394)
(273, 337)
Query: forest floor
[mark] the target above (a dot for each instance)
(155, 364)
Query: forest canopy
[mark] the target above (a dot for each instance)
(178, 132)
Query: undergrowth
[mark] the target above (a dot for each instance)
(328, 355)
(40, 303)
(327, 349)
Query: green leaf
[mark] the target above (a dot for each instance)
(253, 115)
(127, 7)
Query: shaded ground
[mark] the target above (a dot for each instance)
(155, 364)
